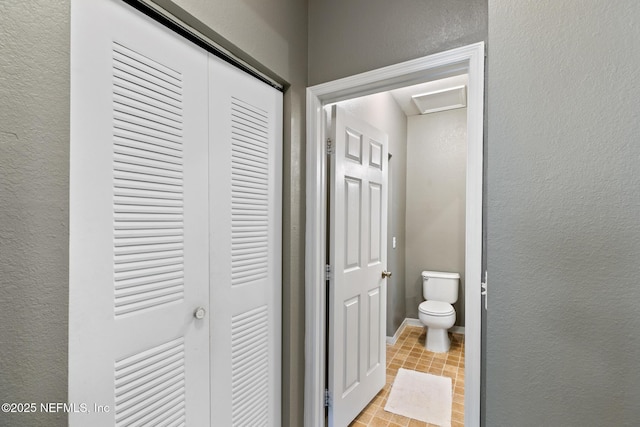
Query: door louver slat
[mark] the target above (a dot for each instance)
(148, 183)
(150, 386)
(249, 191)
(249, 367)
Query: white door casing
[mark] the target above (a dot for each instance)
(245, 204)
(466, 59)
(138, 229)
(358, 256)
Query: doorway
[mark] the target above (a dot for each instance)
(465, 60)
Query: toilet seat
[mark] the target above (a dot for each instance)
(436, 308)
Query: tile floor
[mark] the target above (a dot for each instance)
(409, 353)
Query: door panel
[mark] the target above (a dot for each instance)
(375, 223)
(139, 231)
(245, 204)
(373, 325)
(352, 348)
(357, 302)
(352, 218)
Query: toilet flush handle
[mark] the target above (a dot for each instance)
(386, 274)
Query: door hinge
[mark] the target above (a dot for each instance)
(327, 398)
(327, 272)
(483, 289)
(329, 146)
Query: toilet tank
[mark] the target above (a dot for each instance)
(440, 286)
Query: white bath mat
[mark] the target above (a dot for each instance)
(421, 396)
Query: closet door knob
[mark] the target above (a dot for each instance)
(199, 313)
(386, 274)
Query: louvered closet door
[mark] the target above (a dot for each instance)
(139, 228)
(245, 201)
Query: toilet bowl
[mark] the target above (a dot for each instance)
(437, 317)
(440, 289)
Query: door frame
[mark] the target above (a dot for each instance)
(467, 59)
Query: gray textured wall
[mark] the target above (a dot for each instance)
(34, 171)
(436, 191)
(382, 111)
(563, 213)
(34, 198)
(350, 37)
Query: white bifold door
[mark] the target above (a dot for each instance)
(358, 259)
(175, 225)
(245, 250)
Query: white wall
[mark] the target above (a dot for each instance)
(435, 225)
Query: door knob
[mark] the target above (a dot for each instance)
(386, 274)
(199, 313)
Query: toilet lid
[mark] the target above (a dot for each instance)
(436, 308)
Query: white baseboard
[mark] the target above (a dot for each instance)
(408, 321)
(413, 322)
(392, 340)
(457, 330)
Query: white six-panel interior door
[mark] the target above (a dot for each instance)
(358, 256)
(175, 228)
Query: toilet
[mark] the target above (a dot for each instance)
(440, 290)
